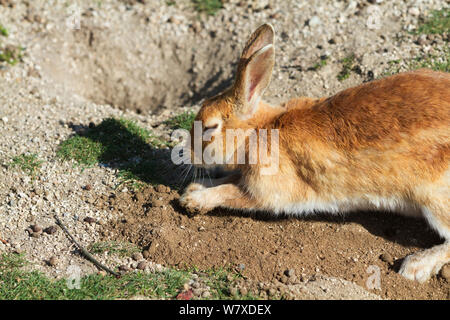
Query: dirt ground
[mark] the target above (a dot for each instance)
(150, 60)
(262, 247)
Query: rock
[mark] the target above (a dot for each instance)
(185, 295)
(137, 256)
(386, 257)
(162, 188)
(157, 203)
(234, 291)
(35, 234)
(244, 291)
(272, 292)
(89, 220)
(289, 273)
(53, 261)
(51, 230)
(195, 285)
(206, 294)
(445, 272)
(124, 268)
(284, 279)
(422, 40)
(197, 292)
(414, 11)
(36, 228)
(142, 265)
(87, 187)
(314, 21)
(145, 254)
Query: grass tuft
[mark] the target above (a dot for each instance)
(18, 284)
(322, 63)
(3, 31)
(436, 62)
(437, 23)
(11, 55)
(210, 7)
(120, 144)
(181, 121)
(122, 249)
(348, 64)
(28, 163)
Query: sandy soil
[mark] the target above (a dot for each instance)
(146, 61)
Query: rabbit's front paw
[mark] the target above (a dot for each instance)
(198, 199)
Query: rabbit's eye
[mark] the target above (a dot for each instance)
(215, 126)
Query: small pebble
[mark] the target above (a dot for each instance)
(89, 220)
(445, 272)
(272, 292)
(142, 265)
(386, 257)
(206, 294)
(197, 292)
(162, 188)
(145, 254)
(36, 228)
(137, 256)
(53, 261)
(234, 291)
(289, 273)
(124, 268)
(51, 230)
(87, 187)
(35, 234)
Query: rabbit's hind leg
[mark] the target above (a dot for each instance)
(422, 265)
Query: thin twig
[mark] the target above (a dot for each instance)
(88, 256)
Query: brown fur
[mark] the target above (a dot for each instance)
(383, 142)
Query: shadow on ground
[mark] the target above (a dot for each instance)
(138, 156)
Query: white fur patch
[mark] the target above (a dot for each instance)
(366, 202)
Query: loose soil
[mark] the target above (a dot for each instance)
(261, 246)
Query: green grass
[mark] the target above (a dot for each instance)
(121, 144)
(348, 63)
(210, 7)
(322, 63)
(437, 62)
(19, 284)
(219, 280)
(122, 249)
(437, 23)
(28, 163)
(3, 31)
(182, 121)
(11, 55)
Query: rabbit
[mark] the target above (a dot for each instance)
(381, 146)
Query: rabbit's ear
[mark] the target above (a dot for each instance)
(262, 37)
(253, 77)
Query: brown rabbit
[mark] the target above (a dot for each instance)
(384, 145)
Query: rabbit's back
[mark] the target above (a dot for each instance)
(378, 113)
(387, 138)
